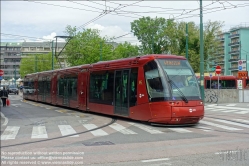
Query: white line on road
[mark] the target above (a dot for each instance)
(152, 160)
(121, 129)
(215, 109)
(180, 130)
(241, 120)
(39, 132)
(231, 105)
(242, 112)
(230, 111)
(147, 128)
(224, 107)
(67, 130)
(10, 132)
(233, 123)
(6, 120)
(218, 125)
(98, 132)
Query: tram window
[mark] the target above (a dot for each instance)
(156, 88)
(60, 87)
(101, 87)
(133, 87)
(72, 88)
(223, 84)
(247, 84)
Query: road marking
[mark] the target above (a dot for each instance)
(98, 132)
(10, 132)
(242, 112)
(67, 130)
(61, 111)
(152, 160)
(204, 128)
(218, 125)
(211, 105)
(233, 123)
(6, 120)
(208, 108)
(224, 107)
(241, 120)
(219, 109)
(180, 130)
(121, 129)
(39, 132)
(147, 128)
(231, 105)
(48, 108)
(230, 111)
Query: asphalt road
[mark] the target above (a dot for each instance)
(40, 134)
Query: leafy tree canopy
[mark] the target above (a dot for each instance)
(36, 63)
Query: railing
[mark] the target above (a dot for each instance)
(233, 43)
(234, 35)
(233, 60)
(233, 52)
(233, 68)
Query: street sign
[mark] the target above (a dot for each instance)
(242, 74)
(1, 78)
(239, 83)
(1, 72)
(242, 65)
(210, 74)
(218, 69)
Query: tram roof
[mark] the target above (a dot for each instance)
(142, 58)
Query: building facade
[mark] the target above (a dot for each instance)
(12, 53)
(234, 46)
(10, 60)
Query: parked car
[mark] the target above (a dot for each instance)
(13, 89)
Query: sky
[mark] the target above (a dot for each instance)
(42, 20)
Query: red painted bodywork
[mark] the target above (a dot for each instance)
(168, 112)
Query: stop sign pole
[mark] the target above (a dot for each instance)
(217, 71)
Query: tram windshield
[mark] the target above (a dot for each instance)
(181, 77)
(171, 79)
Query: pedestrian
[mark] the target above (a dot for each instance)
(4, 96)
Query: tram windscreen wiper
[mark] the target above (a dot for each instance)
(183, 97)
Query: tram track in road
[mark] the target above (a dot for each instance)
(113, 120)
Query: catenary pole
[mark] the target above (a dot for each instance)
(201, 54)
(52, 55)
(187, 41)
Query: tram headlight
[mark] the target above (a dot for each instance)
(201, 102)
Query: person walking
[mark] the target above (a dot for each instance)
(4, 96)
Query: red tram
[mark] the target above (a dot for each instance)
(153, 88)
(225, 82)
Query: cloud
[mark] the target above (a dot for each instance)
(113, 32)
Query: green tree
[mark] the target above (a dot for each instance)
(86, 47)
(36, 63)
(150, 32)
(125, 50)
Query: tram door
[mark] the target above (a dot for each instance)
(121, 89)
(43, 88)
(65, 92)
(82, 90)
